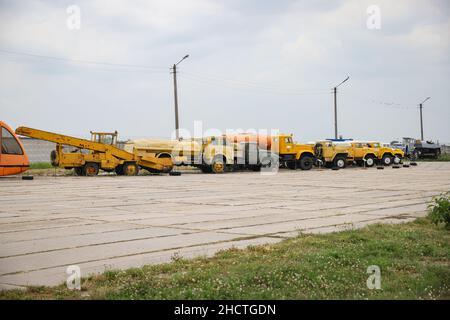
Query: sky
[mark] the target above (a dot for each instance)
(252, 64)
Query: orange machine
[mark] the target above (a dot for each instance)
(13, 159)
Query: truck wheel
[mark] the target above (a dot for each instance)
(370, 161)
(54, 159)
(119, 170)
(386, 160)
(291, 165)
(78, 171)
(397, 159)
(130, 169)
(306, 162)
(340, 162)
(90, 169)
(268, 162)
(205, 169)
(218, 165)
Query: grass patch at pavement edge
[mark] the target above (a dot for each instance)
(414, 259)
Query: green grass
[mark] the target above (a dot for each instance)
(442, 157)
(414, 259)
(41, 165)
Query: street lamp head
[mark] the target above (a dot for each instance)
(348, 77)
(428, 98)
(185, 57)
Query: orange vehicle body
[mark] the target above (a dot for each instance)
(264, 141)
(13, 159)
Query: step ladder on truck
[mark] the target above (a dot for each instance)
(102, 153)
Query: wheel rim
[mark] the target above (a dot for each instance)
(131, 170)
(397, 160)
(90, 170)
(387, 160)
(369, 162)
(218, 167)
(340, 163)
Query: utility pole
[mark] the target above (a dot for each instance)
(175, 94)
(335, 113)
(421, 119)
(335, 108)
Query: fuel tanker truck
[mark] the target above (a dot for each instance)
(291, 155)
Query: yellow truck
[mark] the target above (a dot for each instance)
(209, 154)
(290, 154)
(332, 154)
(101, 152)
(386, 155)
(361, 153)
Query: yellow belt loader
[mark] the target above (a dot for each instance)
(103, 154)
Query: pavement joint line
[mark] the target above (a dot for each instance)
(103, 243)
(55, 227)
(302, 219)
(271, 234)
(78, 234)
(243, 237)
(95, 218)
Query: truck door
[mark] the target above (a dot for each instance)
(359, 151)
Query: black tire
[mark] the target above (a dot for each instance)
(270, 162)
(130, 169)
(78, 171)
(54, 158)
(400, 159)
(90, 169)
(205, 169)
(386, 160)
(119, 170)
(306, 162)
(340, 162)
(291, 165)
(370, 161)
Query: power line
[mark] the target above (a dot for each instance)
(395, 104)
(254, 88)
(3, 51)
(268, 86)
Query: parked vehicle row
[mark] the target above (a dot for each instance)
(216, 154)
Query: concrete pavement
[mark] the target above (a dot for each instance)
(110, 222)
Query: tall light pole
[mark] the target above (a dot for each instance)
(421, 120)
(175, 93)
(335, 108)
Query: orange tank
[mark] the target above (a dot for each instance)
(264, 141)
(13, 159)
